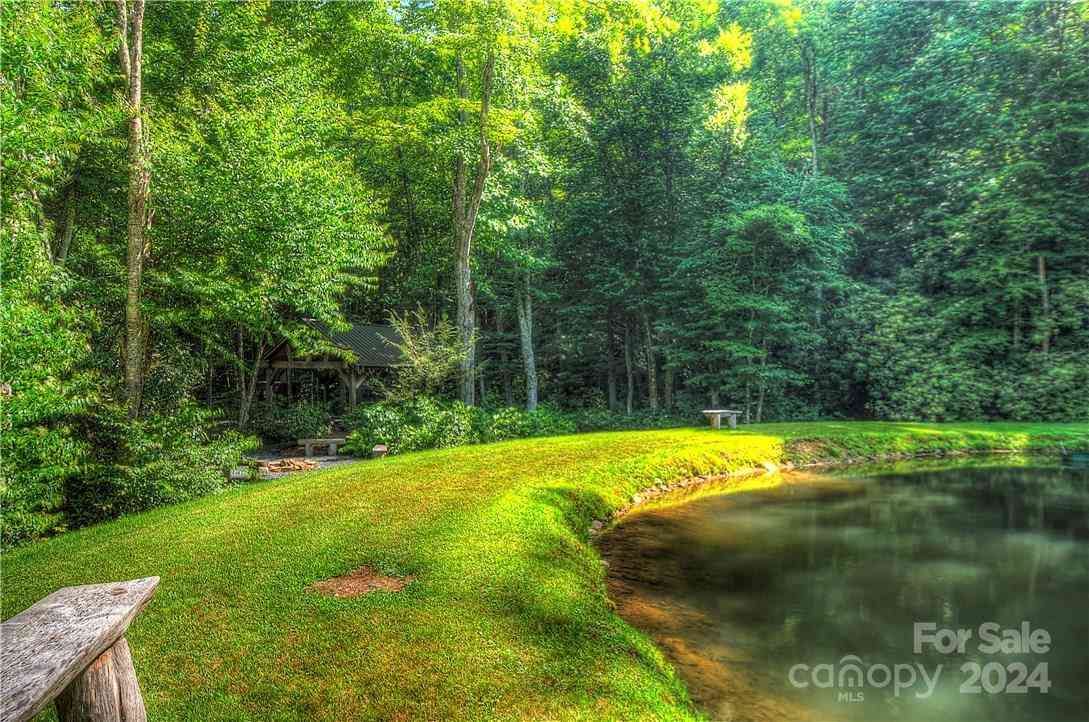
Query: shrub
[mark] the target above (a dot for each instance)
(157, 460)
(427, 423)
(431, 352)
(508, 423)
(420, 423)
(279, 423)
(604, 420)
(47, 391)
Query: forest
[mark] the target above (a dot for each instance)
(609, 213)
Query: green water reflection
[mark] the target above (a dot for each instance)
(740, 588)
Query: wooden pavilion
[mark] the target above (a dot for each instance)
(374, 346)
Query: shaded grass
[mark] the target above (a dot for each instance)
(508, 617)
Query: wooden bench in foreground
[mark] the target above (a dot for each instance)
(70, 647)
(331, 444)
(715, 417)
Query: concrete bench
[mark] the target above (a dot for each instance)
(70, 648)
(715, 417)
(331, 444)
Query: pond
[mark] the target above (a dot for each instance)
(916, 592)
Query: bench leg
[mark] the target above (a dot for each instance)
(107, 691)
(716, 422)
(308, 450)
(332, 449)
(732, 421)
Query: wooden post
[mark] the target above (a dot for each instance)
(70, 647)
(107, 690)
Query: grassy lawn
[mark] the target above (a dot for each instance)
(507, 618)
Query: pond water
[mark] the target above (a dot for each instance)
(801, 602)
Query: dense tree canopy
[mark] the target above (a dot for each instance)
(792, 207)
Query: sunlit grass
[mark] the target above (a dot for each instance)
(507, 618)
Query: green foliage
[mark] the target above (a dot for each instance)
(597, 419)
(412, 425)
(162, 459)
(44, 351)
(516, 423)
(430, 354)
(277, 423)
(428, 423)
(911, 372)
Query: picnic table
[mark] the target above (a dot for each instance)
(715, 417)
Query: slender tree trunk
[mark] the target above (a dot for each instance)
(466, 204)
(762, 385)
(504, 356)
(1045, 304)
(652, 365)
(130, 19)
(748, 398)
(714, 398)
(809, 67)
(69, 223)
(667, 387)
(610, 366)
(525, 327)
(248, 389)
(465, 322)
(628, 368)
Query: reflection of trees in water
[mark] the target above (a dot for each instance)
(810, 574)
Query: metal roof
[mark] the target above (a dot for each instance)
(372, 344)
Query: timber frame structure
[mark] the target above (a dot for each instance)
(374, 347)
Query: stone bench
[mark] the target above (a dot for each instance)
(330, 444)
(70, 648)
(715, 417)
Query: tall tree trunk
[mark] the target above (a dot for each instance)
(1045, 304)
(525, 327)
(667, 387)
(466, 204)
(762, 385)
(652, 365)
(610, 366)
(748, 399)
(504, 355)
(248, 389)
(69, 223)
(809, 68)
(130, 20)
(628, 368)
(714, 398)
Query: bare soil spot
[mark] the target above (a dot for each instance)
(363, 580)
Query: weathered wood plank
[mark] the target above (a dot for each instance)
(107, 691)
(45, 647)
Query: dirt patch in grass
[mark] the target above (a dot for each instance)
(363, 580)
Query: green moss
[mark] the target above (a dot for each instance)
(508, 618)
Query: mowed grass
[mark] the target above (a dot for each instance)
(508, 617)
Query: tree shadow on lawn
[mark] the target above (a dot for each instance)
(558, 604)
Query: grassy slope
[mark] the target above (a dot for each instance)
(508, 617)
